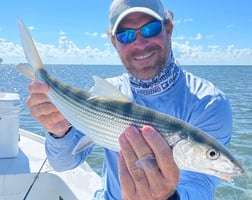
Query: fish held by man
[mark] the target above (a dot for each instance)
(104, 115)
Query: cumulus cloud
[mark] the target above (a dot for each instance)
(212, 55)
(197, 37)
(68, 52)
(10, 50)
(179, 37)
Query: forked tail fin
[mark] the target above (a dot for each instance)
(29, 47)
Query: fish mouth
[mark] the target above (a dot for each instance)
(224, 175)
(240, 170)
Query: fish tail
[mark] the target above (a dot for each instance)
(29, 47)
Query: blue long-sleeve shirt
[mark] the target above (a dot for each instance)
(191, 99)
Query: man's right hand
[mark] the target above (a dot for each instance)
(44, 111)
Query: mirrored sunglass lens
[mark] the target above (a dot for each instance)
(152, 29)
(126, 36)
(149, 30)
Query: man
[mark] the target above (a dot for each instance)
(141, 33)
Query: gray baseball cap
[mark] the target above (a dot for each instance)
(121, 8)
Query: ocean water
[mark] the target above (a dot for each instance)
(234, 81)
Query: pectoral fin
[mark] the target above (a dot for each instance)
(147, 163)
(26, 69)
(82, 145)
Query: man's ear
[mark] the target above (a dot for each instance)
(169, 28)
(113, 40)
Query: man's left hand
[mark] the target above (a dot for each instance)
(157, 183)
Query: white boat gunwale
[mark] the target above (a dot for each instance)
(81, 182)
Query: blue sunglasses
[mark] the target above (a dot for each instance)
(148, 30)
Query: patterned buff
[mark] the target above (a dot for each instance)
(158, 84)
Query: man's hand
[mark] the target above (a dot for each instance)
(44, 111)
(160, 182)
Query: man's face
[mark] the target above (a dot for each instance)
(145, 57)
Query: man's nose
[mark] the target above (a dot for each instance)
(140, 39)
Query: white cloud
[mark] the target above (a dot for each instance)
(212, 55)
(10, 50)
(31, 28)
(67, 52)
(197, 37)
(104, 35)
(62, 33)
(108, 45)
(63, 42)
(186, 20)
(94, 34)
(214, 47)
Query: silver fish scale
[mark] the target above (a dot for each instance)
(104, 120)
(102, 127)
(101, 119)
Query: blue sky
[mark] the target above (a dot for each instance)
(74, 32)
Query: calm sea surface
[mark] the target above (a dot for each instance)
(235, 81)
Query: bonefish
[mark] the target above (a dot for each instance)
(104, 117)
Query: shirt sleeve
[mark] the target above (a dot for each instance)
(59, 150)
(193, 185)
(214, 117)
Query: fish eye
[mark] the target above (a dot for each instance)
(213, 154)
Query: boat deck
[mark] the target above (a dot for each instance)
(82, 181)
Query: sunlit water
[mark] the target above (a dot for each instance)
(235, 81)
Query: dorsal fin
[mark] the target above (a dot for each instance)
(103, 88)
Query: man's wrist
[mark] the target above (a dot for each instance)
(58, 137)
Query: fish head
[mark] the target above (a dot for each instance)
(210, 158)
